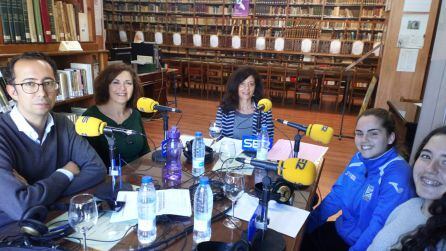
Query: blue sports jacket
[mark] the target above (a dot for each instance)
(366, 193)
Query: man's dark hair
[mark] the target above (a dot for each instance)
(32, 55)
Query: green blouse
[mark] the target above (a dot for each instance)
(129, 147)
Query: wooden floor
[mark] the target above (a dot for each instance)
(197, 113)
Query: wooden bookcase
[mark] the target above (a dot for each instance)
(294, 20)
(93, 53)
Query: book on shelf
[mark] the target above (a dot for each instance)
(44, 21)
(5, 22)
(38, 21)
(88, 76)
(74, 81)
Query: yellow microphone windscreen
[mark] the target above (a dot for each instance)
(267, 105)
(146, 105)
(320, 133)
(297, 171)
(89, 126)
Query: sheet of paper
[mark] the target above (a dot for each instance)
(283, 149)
(284, 219)
(407, 60)
(170, 201)
(417, 5)
(173, 201)
(102, 231)
(98, 17)
(412, 30)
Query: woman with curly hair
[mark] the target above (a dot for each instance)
(420, 223)
(238, 113)
(116, 91)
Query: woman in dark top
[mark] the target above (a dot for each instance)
(237, 112)
(116, 92)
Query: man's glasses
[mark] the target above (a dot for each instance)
(33, 87)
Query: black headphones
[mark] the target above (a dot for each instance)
(32, 226)
(281, 190)
(187, 151)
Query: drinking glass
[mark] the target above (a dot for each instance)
(214, 130)
(227, 153)
(83, 214)
(233, 187)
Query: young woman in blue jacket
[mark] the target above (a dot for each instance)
(376, 180)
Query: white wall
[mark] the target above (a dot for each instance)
(433, 111)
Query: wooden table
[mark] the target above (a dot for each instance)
(154, 84)
(145, 166)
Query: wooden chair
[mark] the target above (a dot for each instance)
(214, 78)
(331, 85)
(277, 82)
(180, 65)
(359, 86)
(195, 76)
(305, 84)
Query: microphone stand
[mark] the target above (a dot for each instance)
(347, 69)
(157, 155)
(114, 169)
(297, 139)
(259, 236)
(259, 120)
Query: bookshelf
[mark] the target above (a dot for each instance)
(322, 21)
(67, 20)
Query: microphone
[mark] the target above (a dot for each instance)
(150, 105)
(264, 104)
(92, 127)
(316, 132)
(294, 170)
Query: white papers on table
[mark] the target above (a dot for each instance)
(170, 201)
(284, 219)
(106, 235)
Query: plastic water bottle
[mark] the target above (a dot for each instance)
(263, 144)
(198, 152)
(203, 204)
(172, 169)
(146, 211)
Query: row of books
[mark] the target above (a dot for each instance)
(44, 21)
(77, 80)
(4, 99)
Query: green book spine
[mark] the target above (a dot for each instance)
(18, 20)
(50, 6)
(26, 21)
(11, 20)
(5, 22)
(38, 19)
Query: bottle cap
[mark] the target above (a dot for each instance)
(204, 180)
(198, 134)
(146, 179)
(264, 126)
(173, 133)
